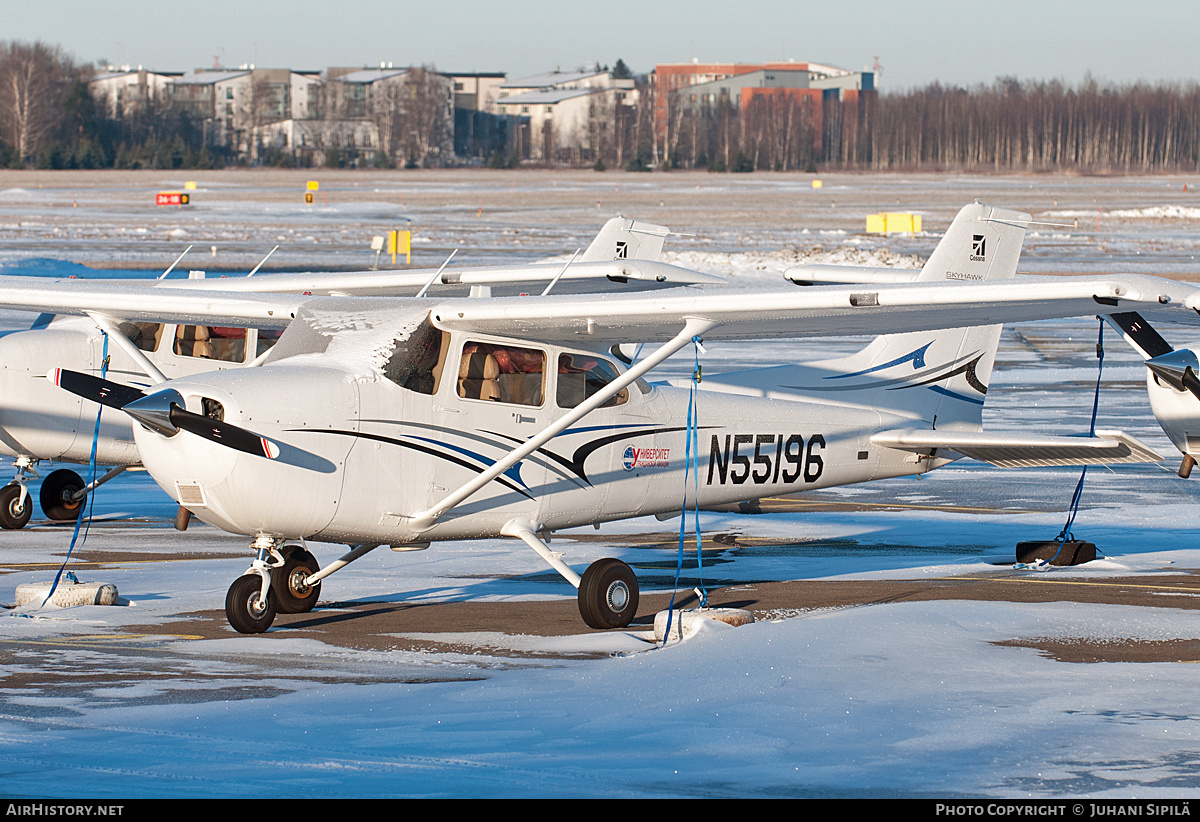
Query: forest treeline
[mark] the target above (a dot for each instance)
(48, 119)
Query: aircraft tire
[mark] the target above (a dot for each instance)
(608, 594)
(14, 513)
(243, 609)
(55, 495)
(292, 596)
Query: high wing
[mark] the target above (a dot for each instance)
(407, 283)
(145, 302)
(624, 255)
(657, 317)
(817, 312)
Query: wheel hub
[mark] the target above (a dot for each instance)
(618, 596)
(298, 582)
(256, 605)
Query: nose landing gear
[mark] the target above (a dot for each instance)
(279, 581)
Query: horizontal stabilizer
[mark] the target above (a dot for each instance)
(1108, 447)
(821, 274)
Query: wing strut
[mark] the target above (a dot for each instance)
(115, 334)
(693, 327)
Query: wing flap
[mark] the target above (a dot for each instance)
(1108, 447)
(824, 274)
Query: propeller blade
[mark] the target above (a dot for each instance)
(105, 392)
(163, 412)
(223, 433)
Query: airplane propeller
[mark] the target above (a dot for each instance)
(163, 412)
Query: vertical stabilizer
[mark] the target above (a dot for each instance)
(933, 378)
(624, 239)
(941, 377)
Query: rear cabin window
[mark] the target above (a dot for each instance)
(581, 375)
(502, 373)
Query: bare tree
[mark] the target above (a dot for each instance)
(32, 81)
(427, 129)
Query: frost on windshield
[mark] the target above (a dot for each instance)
(390, 342)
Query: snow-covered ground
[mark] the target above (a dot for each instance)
(893, 699)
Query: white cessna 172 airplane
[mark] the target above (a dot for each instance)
(402, 423)
(39, 422)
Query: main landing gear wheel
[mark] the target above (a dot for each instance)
(244, 608)
(289, 581)
(15, 507)
(58, 495)
(608, 594)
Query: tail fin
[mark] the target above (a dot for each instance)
(623, 239)
(934, 378)
(941, 377)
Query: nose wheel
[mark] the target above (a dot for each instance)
(245, 607)
(15, 507)
(608, 594)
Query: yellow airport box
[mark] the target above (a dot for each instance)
(313, 185)
(893, 223)
(400, 242)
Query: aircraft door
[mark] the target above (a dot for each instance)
(602, 448)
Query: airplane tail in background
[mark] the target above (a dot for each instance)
(941, 377)
(624, 239)
(936, 378)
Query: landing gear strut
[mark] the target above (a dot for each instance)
(281, 580)
(16, 506)
(608, 589)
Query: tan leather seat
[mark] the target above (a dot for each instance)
(477, 377)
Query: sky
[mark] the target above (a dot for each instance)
(948, 41)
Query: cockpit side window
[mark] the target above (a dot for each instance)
(417, 362)
(211, 342)
(582, 375)
(502, 373)
(145, 336)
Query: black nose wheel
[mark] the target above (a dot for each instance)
(289, 582)
(608, 594)
(58, 495)
(245, 608)
(15, 507)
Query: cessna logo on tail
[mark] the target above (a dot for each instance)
(622, 250)
(978, 248)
